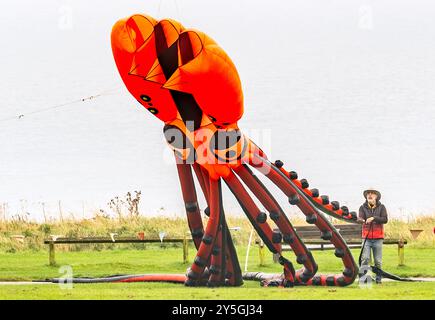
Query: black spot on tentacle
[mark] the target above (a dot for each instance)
(200, 262)
(325, 199)
(293, 175)
(279, 164)
(261, 218)
(345, 210)
(293, 199)
(276, 237)
(348, 272)
(339, 252)
(314, 193)
(304, 183)
(311, 218)
(326, 235)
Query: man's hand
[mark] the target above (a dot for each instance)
(362, 221)
(369, 220)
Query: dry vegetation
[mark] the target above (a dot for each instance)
(131, 225)
(18, 233)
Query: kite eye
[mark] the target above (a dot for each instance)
(228, 146)
(179, 143)
(145, 98)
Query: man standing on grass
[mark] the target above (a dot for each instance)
(373, 216)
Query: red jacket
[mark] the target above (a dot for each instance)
(374, 230)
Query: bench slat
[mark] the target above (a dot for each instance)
(351, 233)
(109, 240)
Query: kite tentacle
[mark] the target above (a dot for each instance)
(322, 203)
(258, 219)
(313, 216)
(276, 213)
(233, 274)
(191, 202)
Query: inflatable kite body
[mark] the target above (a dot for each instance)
(189, 83)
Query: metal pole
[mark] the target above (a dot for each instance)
(247, 250)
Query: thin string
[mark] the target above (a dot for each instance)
(20, 116)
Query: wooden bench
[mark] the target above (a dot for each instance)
(92, 240)
(351, 233)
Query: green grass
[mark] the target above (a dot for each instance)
(250, 290)
(28, 265)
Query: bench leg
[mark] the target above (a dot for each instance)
(185, 250)
(401, 253)
(51, 255)
(262, 253)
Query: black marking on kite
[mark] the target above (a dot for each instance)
(167, 56)
(161, 44)
(187, 107)
(186, 51)
(168, 59)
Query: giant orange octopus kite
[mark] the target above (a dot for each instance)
(188, 82)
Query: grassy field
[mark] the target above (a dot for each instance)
(33, 265)
(249, 291)
(27, 259)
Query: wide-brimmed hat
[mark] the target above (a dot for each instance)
(372, 190)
